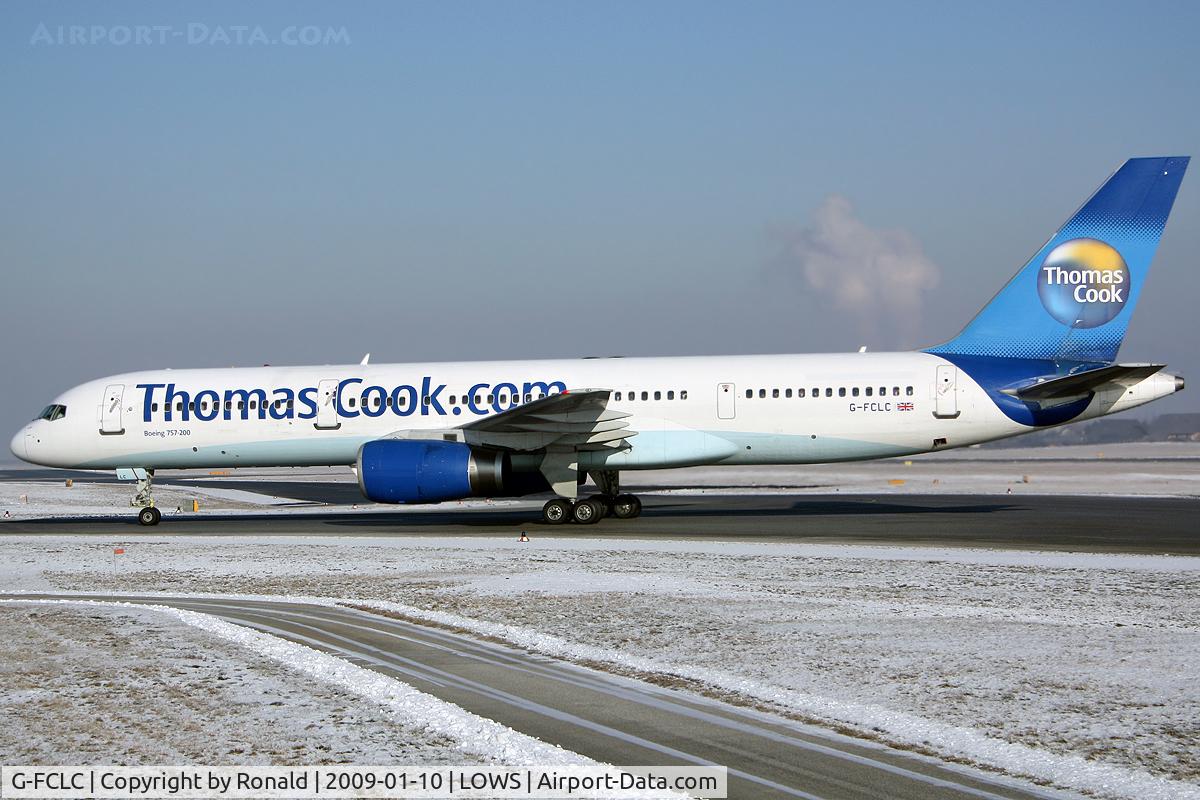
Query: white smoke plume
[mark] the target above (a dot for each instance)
(879, 275)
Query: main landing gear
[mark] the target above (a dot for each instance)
(144, 502)
(591, 510)
(609, 503)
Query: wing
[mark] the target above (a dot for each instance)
(558, 427)
(579, 419)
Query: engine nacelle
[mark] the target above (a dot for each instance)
(429, 471)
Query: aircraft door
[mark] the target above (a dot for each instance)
(110, 411)
(327, 416)
(726, 401)
(946, 391)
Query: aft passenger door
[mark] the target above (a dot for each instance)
(946, 391)
(726, 401)
(110, 411)
(327, 416)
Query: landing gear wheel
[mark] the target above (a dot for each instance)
(556, 512)
(588, 512)
(606, 503)
(626, 506)
(149, 516)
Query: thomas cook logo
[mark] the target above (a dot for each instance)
(1083, 283)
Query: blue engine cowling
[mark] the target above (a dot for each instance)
(429, 471)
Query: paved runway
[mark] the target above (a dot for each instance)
(1105, 524)
(608, 718)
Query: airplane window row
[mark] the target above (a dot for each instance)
(854, 391)
(203, 405)
(373, 401)
(401, 401)
(646, 395)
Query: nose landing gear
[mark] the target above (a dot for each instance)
(143, 500)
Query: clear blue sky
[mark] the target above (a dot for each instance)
(481, 180)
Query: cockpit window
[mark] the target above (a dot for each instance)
(53, 412)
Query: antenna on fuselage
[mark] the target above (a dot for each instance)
(366, 359)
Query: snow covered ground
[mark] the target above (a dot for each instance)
(1076, 668)
(105, 685)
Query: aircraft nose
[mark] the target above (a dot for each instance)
(17, 446)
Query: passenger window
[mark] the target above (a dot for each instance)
(683, 395)
(909, 391)
(351, 402)
(645, 395)
(789, 393)
(829, 391)
(749, 393)
(762, 393)
(154, 407)
(503, 399)
(179, 406)
(658, 395)
(868, 391)
(425, 401)
(671, 395)
(491, 399)
(616, 395)
(841, 391)
(854, 391)
(883, 391)
(895, 391)
(775, 393)
(799, 393)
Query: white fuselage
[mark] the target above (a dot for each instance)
(776, 409)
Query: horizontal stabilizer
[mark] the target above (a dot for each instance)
(1080, 383)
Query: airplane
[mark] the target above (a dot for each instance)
(1041, 353)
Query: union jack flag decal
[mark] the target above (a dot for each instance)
(904, 406)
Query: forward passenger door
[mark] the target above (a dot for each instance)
(110, 411)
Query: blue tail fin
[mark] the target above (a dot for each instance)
(1074, 298)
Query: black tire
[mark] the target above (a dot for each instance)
(627, 506)
(149, 516)
(556, 512)
(605, 502)
(588, 512)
